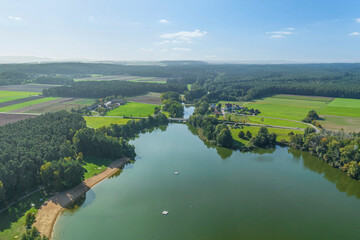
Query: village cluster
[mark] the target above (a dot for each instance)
(232, 108)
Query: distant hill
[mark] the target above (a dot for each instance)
(23, 59)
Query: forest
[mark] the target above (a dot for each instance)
(339, 149)
(111, 88)
(215, 81)
(48, 151)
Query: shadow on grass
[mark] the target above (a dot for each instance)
(14, 213)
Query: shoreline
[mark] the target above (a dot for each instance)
(51, 209)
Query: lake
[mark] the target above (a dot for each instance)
(219, 194)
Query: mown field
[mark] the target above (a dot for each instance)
(342, 107)
(337, 113)
(26, 104)
(97, 122)
(6, 96)
(63, 104)
(287, 108)
(133, 109)
(282, 134)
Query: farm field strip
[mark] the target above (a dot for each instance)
(6, 96)
(150, 98)
(26, 104)
(34, 88)
(133, 109)
(6, 118)
(21, 100)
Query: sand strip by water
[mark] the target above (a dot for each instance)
(51, 209)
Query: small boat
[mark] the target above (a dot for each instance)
(165, 212)
(176, 173)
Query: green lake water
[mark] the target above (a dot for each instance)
(219, 194)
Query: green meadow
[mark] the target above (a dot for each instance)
(295, 109)
(133, 109)
(26, 104)
(6, 96)
(343, 107)
(97, 122)
(95, 165)
(282, 134)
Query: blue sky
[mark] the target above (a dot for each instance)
(253, 30)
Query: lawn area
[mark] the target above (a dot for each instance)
(266, 121)
(97, 122)
(95, 165)
(282, 134)
(6, 96)
(342, 107)
(26, 104)
(189, 87)
(133, 109)
(286, 108)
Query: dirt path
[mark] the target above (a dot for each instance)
(51, 209)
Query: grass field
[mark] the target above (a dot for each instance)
(295, 109)
(306, 98)
(97, 122)
(12, 221)
(6, 96)
(133, 109)
(348, 124)
(26, 104)
(282, 134)
(266, 121)
(342, 107)
(62, 104)
(95, 165)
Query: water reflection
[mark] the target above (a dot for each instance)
(343, 182)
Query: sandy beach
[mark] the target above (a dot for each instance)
(51, 209)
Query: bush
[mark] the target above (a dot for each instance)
(241, 134)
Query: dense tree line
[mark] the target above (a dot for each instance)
(172, 104)
(48, 151)
(339, 149)
(223, 81)
(12, 78)
(54, 80)
(210, 129)
(134, 127)
(108, 88)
